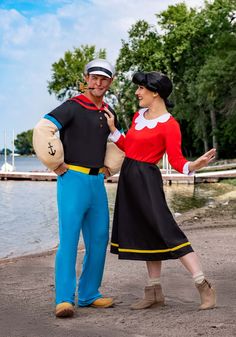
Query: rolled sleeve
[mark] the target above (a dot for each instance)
(115, 136)
(186, 169)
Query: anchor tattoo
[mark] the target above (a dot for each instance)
(52, 152)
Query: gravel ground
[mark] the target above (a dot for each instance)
(27, 290)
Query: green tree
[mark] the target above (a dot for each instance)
(199, 49)
(142, 52)
(68, 72)
(188, 49)
(8, 151)
(23, 143)
(196, 48)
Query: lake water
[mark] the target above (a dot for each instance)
(28, 210)
(23, 164)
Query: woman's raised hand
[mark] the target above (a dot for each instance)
(110, 119)
(202, 161)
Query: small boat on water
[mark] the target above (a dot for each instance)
(6, 167)
(15, 154)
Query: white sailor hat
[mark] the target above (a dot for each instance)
(100, 67)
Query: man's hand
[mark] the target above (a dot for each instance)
(106, 172)
(61, 169)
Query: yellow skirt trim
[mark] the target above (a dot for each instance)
(150, 251)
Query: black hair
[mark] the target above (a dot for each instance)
(156, 82)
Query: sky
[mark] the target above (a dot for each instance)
(35, 34)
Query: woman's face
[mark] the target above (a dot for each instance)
(144, 96)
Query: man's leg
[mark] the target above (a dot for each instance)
(73, 196)
(96, 233)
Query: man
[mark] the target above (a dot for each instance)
(78, 159)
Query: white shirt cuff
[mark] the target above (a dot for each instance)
(186, 169)
(114, 137)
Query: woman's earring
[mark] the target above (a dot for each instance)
(155, 95)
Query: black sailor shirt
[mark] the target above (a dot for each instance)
(83, 131)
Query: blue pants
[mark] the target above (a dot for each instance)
(82, 205)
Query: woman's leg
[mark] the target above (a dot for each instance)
(153, 295)
(154, 272)
(192, 263)
(207, 293)
(154, 269)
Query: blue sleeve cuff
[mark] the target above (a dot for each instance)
(54, 121)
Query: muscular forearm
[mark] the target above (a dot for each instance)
(47, 145)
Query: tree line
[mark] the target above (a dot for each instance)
(196, 48)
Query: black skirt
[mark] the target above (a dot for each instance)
(143, 226)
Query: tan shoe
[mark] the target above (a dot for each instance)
(103, 302)
(64, 309)
(153, 297)
(207, 295)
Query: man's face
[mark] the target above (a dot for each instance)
(98, 84)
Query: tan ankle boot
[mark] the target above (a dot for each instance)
(207, 295)
(153, 296)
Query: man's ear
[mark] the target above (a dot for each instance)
(82, 86)
(86, 78)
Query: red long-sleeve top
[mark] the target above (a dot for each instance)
(148, 140)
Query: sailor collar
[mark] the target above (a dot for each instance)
(141, 122)
(86, 103)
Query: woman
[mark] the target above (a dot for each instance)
(144, 228)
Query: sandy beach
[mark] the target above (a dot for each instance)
(27, 289)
